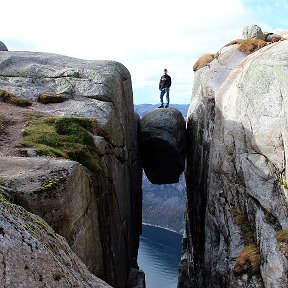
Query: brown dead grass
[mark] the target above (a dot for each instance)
(241, 220)
(46, 98)
(251, 45)
(282, 237)
(248, 45)
(7, 97)
(203, 61)
(248, 261)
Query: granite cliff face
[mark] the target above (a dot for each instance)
(33, 255)
(98, 212)
(236, 172)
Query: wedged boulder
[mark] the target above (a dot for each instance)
(163, 145)
(33, 255)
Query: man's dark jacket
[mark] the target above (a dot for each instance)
(165, 81)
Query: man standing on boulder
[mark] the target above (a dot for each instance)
(164, 87)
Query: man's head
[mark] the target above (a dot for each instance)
(165, 71)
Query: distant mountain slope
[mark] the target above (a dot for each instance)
(163, 205)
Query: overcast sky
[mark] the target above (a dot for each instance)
(146, 36)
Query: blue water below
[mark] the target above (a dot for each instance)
(159, 256)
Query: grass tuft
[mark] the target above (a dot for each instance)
(10, 98)
(248, 261)
(66, 137)
(241, 220)
(282, 238)
(203, 61)
(46, 98)
(251, 45)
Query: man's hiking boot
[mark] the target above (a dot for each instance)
(166, 106)
(161, 106)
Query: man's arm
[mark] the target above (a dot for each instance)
(169, 82)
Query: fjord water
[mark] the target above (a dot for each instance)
(159, 256)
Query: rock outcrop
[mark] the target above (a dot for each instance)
(33, 255)
(163, 145)
(98, 212)
(3, 47)
(252, 31)
(236, 172)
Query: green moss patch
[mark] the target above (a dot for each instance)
(46, 98)
(66, 137)
(2, 182)
(10, 98)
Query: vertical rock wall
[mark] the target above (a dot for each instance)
(102, 209)
(236, 173)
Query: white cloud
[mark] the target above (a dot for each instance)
(146, 36)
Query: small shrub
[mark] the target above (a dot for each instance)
(10, 98)
(66, 137)
(248, 261)
(46, 98)
(203, 61)
(282, 238)
(251, 45)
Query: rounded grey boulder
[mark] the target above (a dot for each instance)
(3, 47)
(252, 31)
(163, 145)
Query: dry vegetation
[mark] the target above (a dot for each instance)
(248, 45)
(10, 98)
(251, 45)
(46, 98)
(245, 45)
(249, 259)
(203, 61)
(282, 237)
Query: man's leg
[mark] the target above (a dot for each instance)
(167, 98)
(161, 98)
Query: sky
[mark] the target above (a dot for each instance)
(145, 36)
